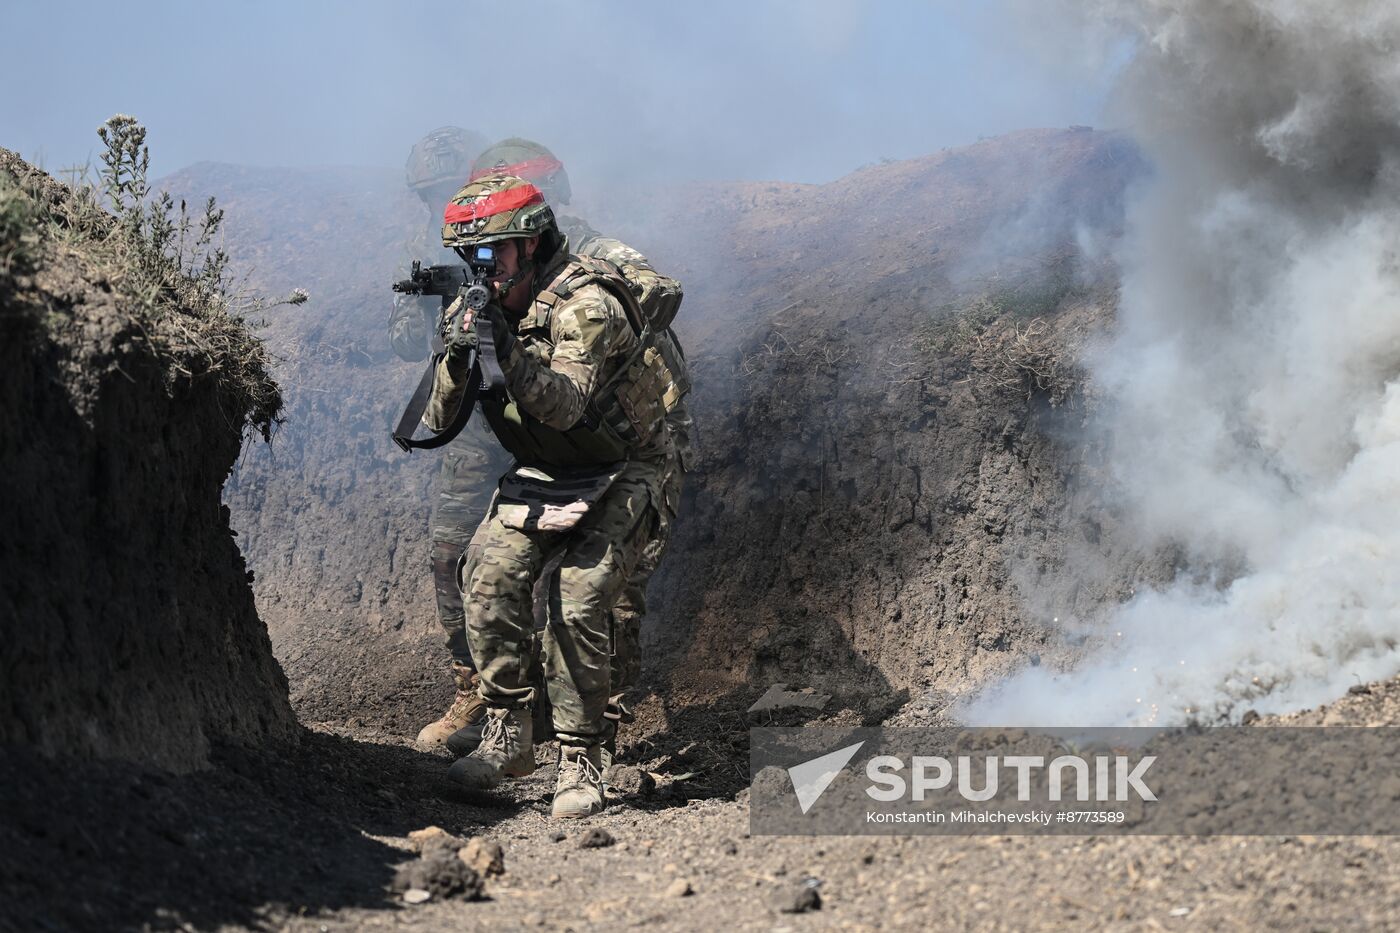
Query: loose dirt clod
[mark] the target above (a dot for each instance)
(631, 781)
(484, 856)
(442, 875)
(679, 888)
(430, 837)
(596, 838)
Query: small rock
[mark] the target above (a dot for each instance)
(553, 879)
(596, 838)
(1250, 716)
(484, 856)
(729, 847)
(1179, 911)
(797, 899)
(679, 888)
(1359, 690)
(868, 858)
(558, 836)
(415, 896)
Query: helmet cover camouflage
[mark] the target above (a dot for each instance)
(526, 159)
(495, 207)
(443, 156)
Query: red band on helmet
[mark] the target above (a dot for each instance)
(492, 204)
(530, 169)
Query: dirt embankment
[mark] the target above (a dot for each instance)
(125, 607)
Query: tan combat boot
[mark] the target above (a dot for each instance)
(466, 710)
(507, 749)
(578, 790)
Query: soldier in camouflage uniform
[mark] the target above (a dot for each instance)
(437, 166)
(576, 390)
(533, 162)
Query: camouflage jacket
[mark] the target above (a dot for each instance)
(563, 357)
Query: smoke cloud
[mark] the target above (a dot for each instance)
(1255, 371)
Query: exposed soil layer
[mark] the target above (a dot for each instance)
(128, 623)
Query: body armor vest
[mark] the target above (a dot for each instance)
(625, 417)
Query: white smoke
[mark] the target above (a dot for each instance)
(1255, 375)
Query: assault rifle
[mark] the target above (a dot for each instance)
(462, 289)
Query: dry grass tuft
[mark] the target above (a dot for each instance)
(166, 262)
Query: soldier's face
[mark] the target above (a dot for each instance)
(511, 254)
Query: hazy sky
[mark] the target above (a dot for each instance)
(796, 91)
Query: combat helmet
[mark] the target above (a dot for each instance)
(443, 157)
(496, 207)
(527, 159)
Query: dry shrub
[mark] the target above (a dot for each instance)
(1004, 352)
(166, 262)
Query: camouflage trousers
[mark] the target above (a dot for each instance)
(597, 558)
(466, 479)
(632, 604)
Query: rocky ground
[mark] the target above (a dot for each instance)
(312, 839)
(678, 863)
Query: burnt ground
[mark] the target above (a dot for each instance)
(892, 498)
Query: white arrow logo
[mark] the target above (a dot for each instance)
(811, 778)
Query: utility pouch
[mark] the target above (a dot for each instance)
(548, 498)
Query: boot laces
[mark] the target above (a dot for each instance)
(580, 769)
(493, 735)
(460, 703)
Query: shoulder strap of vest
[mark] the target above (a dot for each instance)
(584, 270)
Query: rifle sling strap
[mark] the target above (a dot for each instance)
(413, 412)
(486, 354)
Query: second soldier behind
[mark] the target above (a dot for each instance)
(437, 166)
